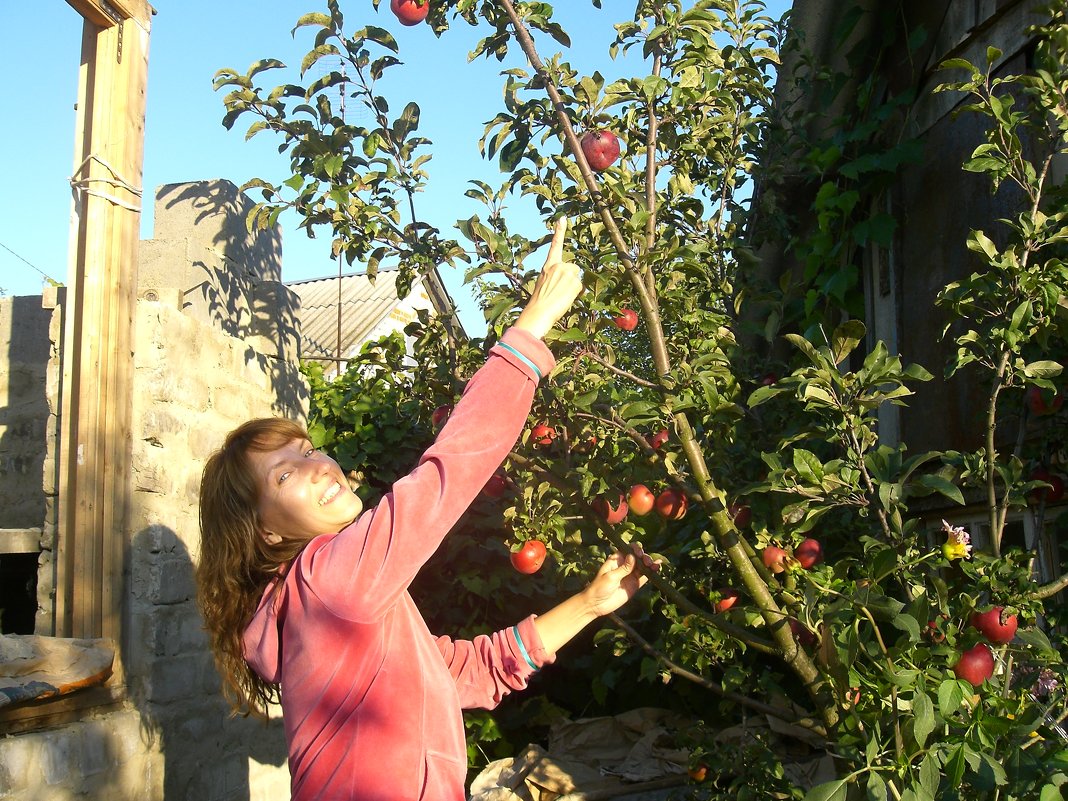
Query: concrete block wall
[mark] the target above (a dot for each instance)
(196, 376)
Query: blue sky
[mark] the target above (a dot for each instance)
(184, 137)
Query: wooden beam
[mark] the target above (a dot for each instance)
(96, 441)
(107, 13)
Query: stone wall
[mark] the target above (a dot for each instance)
(216, 343)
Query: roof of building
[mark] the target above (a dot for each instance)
(363, 306)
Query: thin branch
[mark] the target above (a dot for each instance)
(806, 722)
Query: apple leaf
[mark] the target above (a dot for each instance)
(924, 722)
(941, 485)
(829, 791)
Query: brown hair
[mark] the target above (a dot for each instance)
(236, 564)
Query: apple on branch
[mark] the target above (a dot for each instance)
(671, 504)
(626, 320)
(609, 513)
(975, 665)
(601, 149)
(640, 500)
(410, 12)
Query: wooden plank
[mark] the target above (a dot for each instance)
(20, 540)
(96, 441)
(107, 13)
(57, 711)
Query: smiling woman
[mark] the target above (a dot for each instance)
(306, 595)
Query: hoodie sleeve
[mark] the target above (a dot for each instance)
(489, 667)
(361, 572)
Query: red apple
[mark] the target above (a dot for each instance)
(809, 553)
(994, 625)
(542, 435)
(610, 514)
(775, 559)
(804, 636)
(768, 379)
(601, 149)
(440, 415)
(741, 514)
(671, 504)
(657, 440)
(1051, 494)
(640, 499)
(698, 773)
(529, 558)
(728, 597)
(976, 665)
(627, 319)
(496, 486)
(1042, 402)
(410, 12)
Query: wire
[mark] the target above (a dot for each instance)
(34, 266)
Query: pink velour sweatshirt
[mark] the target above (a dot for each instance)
(371, 700)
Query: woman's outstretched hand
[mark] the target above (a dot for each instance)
(555, 291)
(619, 579)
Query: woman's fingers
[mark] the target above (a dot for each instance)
(556, 247)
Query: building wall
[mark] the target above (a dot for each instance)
(216, 338)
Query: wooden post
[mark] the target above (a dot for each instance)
(95, 446)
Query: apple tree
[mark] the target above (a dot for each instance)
(804, 584)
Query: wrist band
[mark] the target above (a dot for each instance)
(523, 648)
(521, 357)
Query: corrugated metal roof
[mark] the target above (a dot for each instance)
(363, 306)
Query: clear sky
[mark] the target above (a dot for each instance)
(184, 136)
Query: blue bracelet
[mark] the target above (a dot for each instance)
(523, 648)
(521, 357)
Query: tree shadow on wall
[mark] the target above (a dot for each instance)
(173, 683)
(236, 285)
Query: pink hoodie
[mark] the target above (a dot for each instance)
(371, 699)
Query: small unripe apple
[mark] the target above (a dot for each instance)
(440, 415)
(671, 504)
(728, 597)
(640, 499)
(699, 773)
(601, 149)
(775, 558)
(975, 665)
(542, 435)
(609, 513)
(626, 320)
(994, 625)
(809, 553)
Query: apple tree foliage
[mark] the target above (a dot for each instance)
(769, 384)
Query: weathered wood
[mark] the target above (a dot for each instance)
(20, 540)
(96, 437)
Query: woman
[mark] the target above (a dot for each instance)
(305, 594)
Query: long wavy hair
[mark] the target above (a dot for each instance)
(236, 564)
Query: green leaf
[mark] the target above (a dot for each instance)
(923, 710)
(941, 485)
(955, 765)
(845, 339)
(829, 791)
(876, 787)
(951, 694)
(808, 466)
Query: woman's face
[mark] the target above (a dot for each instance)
(303, 493)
